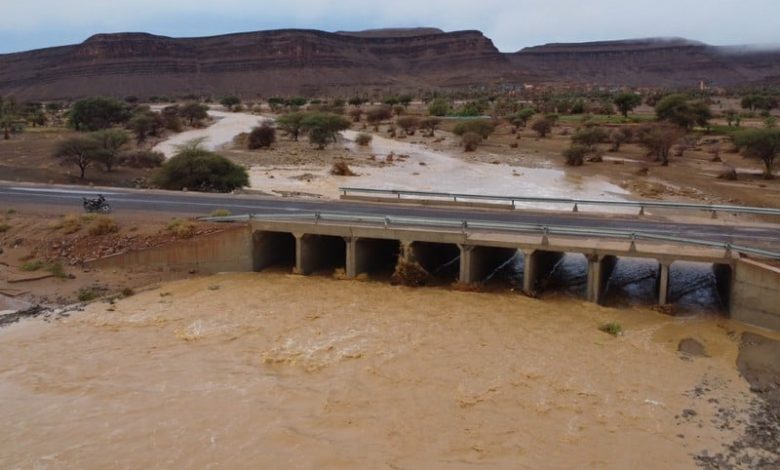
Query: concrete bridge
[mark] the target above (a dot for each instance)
(306, 245)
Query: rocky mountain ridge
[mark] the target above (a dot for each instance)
(310, 62)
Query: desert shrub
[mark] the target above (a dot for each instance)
(232, 103)
(4, 227)
(33, 265)
(470, 141)
(201, 170)
(682, 112)
(103, 225)
(80, 151)
(613, 328)
(110, 142)
(363, 139)
(542, 126)
(181, 228)
(141, 159)
(763, 144)
(409, 124)
(145, 123)
(220, 213)
(341, 168)
(69, 223)
(575, 155)
(128, 292)
(430, 124)
(590, 136)
(439, 107)
(194, 112)
(377, 115)
(520, 118)
(659, 139)
(478, 126)
(56, 270)
(356, 114)
(261, 137)
(87, 294)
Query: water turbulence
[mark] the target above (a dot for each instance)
(570, 276)
(694, 288)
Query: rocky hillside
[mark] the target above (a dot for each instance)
(261, 63)
(315, 62)
(670, 62)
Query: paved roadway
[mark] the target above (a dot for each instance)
(175, 203)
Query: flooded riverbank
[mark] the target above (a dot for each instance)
(274, 370)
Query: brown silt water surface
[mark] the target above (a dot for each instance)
(280, 371)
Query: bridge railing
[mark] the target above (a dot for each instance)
(468, 226)
(574, 203)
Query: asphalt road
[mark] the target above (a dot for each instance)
(174, 203)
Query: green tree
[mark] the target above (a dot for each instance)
(439, 107)
(9, 116)
(81, 151)
(479, 126)
(626, 102)
(323, 128)
(761, 102)
(405, 100)
(682, 112)
(93, 114)
(590, 137)
(377, 115)
(194, 112)
(520, 118)
(145, 123)
(430, 124)
(409, 124)
(542, 126)
(198, 169)
(357, 101)
(110, 143)
(732, 117)
(230, 102)
(658, 139)
(290, 123)
(575, 154)
(763, 144)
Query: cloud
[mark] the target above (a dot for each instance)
(512, 24)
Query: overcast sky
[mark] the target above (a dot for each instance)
(512, 24)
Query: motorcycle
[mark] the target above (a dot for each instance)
(99, 204)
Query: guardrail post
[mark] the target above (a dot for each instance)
(387, 222)
(316, 217)
(714, 214)
(513, 204)
(575, 209)
(632, 247)
(641, 210)
(465, 226)
(545, 240)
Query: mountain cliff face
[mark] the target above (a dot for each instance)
(264, 63)
(314, 62)
(647, 62)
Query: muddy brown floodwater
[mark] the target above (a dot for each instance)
(280, 371)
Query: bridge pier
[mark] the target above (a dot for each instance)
(315, 252)
(477, 262)
(662, 283)
(600, 269)
(368, 255)
(538, 264)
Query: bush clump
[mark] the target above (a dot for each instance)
(261, 137)
(613, 328)
(575, 155)
(103, 225)
(181, 228)
(363, 139)
(341, 169)
(477, 126)
(141, 159)
(196, 168)
(471, 141)
(87, 294)
(220, 213)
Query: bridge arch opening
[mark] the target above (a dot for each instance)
(321, 254)
(375, 257)
(637, 281)
(273, 250)
(440, 260)
(699, 286)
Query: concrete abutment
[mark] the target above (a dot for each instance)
(600, 269)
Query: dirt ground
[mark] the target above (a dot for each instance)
(43, 254)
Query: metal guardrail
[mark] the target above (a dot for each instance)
(465, 225)
(575, 203)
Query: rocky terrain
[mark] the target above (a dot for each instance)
(313, 63)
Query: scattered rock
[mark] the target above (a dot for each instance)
(341, 169)
(644, 171)
(692, 347)
(729, 174)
